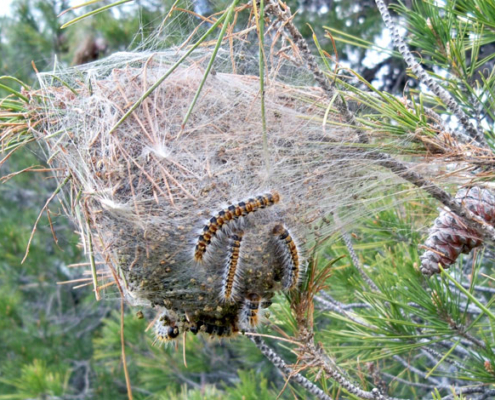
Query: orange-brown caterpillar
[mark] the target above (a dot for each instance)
(289, 257)
(231, 274)
(250, 312)
(228, 215)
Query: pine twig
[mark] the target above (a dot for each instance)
(459, 329)
(316, 358)
(354, 257)
(424, 78)
(488, 394)
(416, 371)
(409, 383)
(486, 231)
(334, 306)
(282, 13)
(278, 362)
(339, 310)
(470, 390)
(384, 160)
(439, 356)
(477, 288)
(460, 350)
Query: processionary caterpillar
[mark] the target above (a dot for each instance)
(289, 256)
(227, 216)
(231, 274)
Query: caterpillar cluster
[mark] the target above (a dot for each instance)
(450, 236)
(228, 217)
(239, 296)
(201, 220)
(168, 326)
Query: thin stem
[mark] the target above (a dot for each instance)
(416, 371)
(278, 362)
(354, 257)
(166, 75)
(230, 12)
(284, 15)
(477, 288)
(92, 260)
(122, 342)
(319, 359)
(261, 30)
(339, 310)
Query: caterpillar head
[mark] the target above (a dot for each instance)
(166, 328)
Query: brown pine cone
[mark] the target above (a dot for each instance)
(449, 237)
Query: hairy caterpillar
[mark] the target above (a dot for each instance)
(250, 311)
(289, 256)
(211, 329)
(227, 216)
(165, 329)
(231, 275)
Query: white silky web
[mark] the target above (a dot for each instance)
(148, 188)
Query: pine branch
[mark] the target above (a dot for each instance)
(384, 160)
(282, 12)
(488, 394)
(471, 390)
(477, 288)
(416, 371)
(419, 71)
(486, 231)
(337, 308)
(460, 330)
(317, 358)
(439, 356)
(354, 257)
(461, 351)
(409, 383)
(328, 306)
(278, 362)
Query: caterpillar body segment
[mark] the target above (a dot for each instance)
(228, 216)
(289, 257)
(212, 330)
(231, 274)
(250, 313)
(166, 329)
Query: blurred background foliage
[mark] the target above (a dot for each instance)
(58, 343)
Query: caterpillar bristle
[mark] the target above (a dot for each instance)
(289, 257)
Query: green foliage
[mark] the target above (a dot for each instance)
(457, 38)
(38, 380)
(413, 330)
(409, 315)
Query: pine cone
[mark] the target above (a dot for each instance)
(449, 237)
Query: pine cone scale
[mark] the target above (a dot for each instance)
(449, 236)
